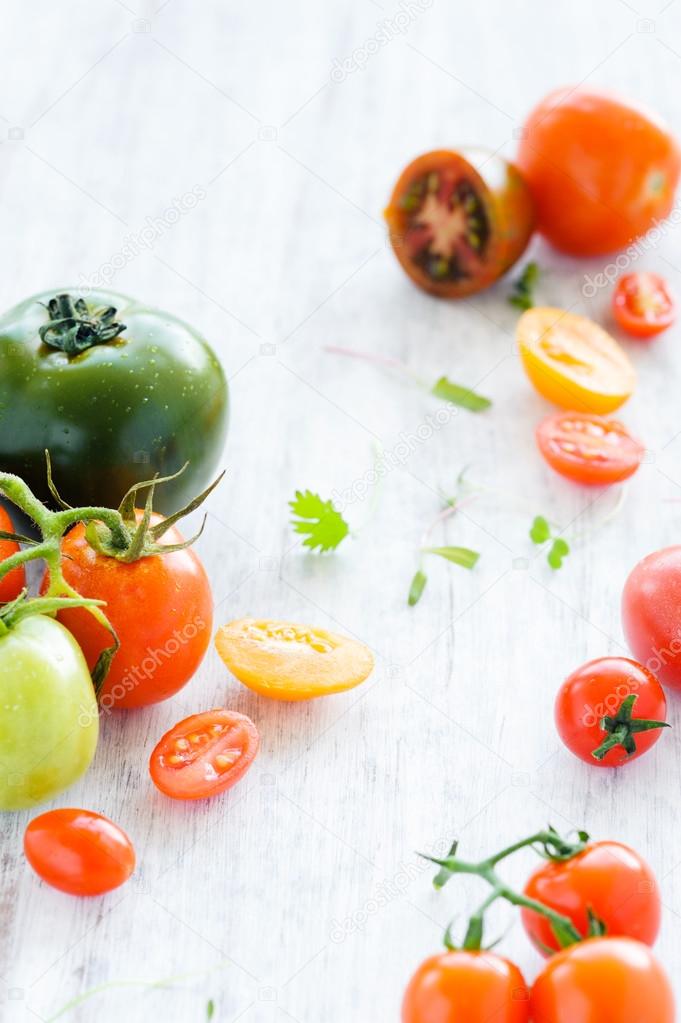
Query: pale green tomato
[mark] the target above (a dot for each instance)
(48, 712)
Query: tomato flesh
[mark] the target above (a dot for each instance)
(466, 987)
(204, 754)
(607, 877)
(13, 583)
(604, 979)
(79, 852)
(597, 690)
(643, 305)
(589, 448)
(651, 614)
(453, 230)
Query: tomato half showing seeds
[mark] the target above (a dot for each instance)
(13, 583)
(604, 979)
(79, 852)
(651, 614)
(455, 229)
(608, 878)
(589, 448)
(642, 304)
(466, 987)
(601, 170)
(204, 754)
(605, 711)
(572, 361)
(286, 661)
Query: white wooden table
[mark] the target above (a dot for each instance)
(299, 896)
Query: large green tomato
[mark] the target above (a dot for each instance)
(115, 391)
(48, 712)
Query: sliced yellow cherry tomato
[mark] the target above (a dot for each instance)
(574, 362)
(286, 661)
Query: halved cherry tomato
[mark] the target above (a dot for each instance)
(642, 304)
(292, 662)
(608, 878)
(595, 693)
(13, 583)
(466, 987)
(572, 361)
(651, 614)
(601, 170)
(204, 754)
(589, 448)
(603, 980)
(78, 851)
(456, 228)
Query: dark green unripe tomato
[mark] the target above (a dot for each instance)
(115, 391)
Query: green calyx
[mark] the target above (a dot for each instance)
(139, 538)
(621, 728)
(23, 606)
(548, 844)
(74, 327)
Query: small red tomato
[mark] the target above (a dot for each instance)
(13, 583)
(588, 448)
(610, 711)
(642, 304)
(607, 878)
(466, 987)
(79, 852)
(204, 755)
(651, 614)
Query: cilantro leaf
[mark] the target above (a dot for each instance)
(418, 585)
(459, 555)
(323, 526)
(540, 531)
(458, 395)
(522, 296)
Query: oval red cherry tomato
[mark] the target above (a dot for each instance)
(13, 583)
(642, 304)
(204, 754)
(78, 851)
(466, 987)
(605, 701)
(601, 170)
(651, 614)
(589, 448)
(608, 878)
(603, 980)
(454, 228)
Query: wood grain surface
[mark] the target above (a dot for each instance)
(299, 896)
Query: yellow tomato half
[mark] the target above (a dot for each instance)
(573, 362)
(286, 661)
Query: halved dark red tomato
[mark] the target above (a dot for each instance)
(589, 448)
(458, 220)
(204, 754)
(642, 304)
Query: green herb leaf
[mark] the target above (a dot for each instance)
(540, 531)
(418, 585)
(459, 555)
(522, 296)
(318, 520)
(210, 1009)
(458, 395)
(559, 550)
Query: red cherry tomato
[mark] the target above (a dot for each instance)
(604, 980)
(642, 304)
(608, 878)
(651, 614)
(607, 700)
(204, 754)
(13, 583)
(466, 987)
(78, 851)
(589, 448)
